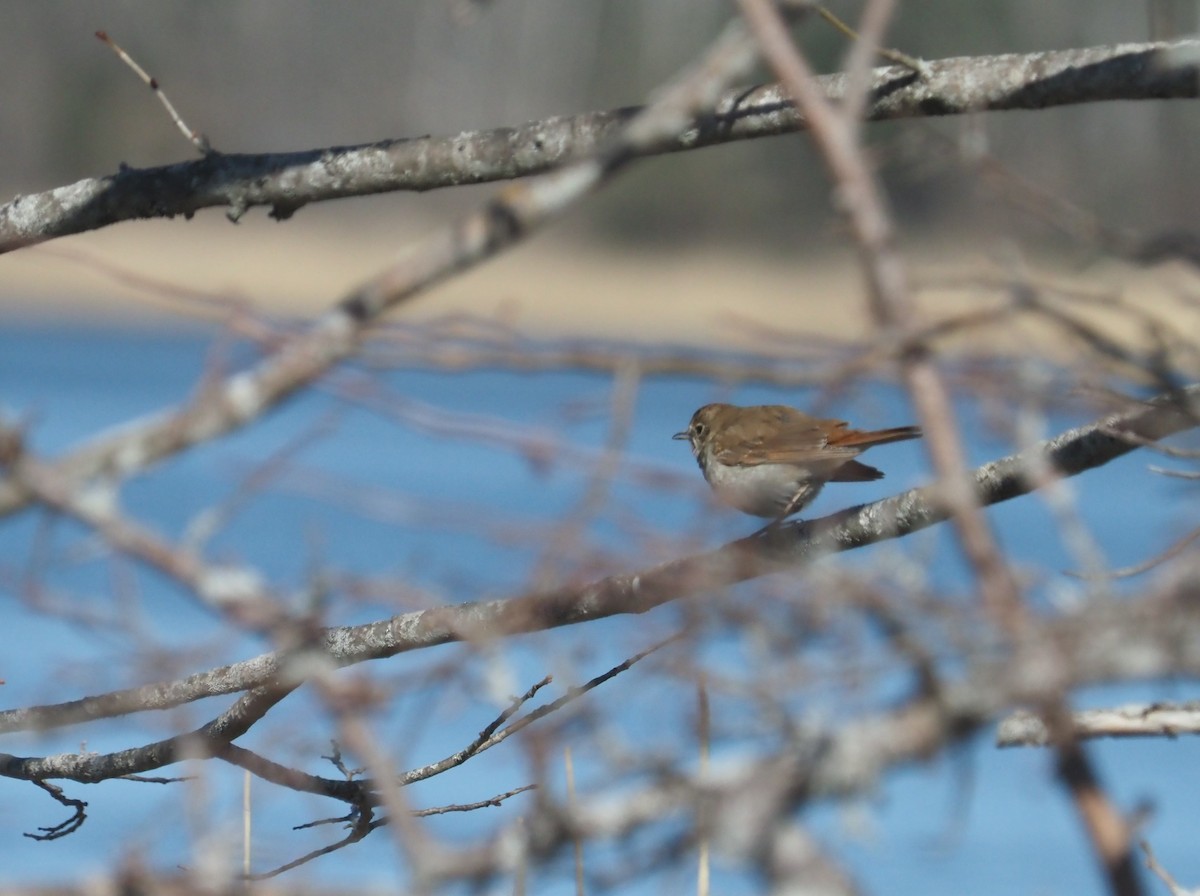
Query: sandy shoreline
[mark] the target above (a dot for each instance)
(555, 287)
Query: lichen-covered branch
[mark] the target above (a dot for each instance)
(287, 181)
(792, 546)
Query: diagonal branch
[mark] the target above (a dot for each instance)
(512, 215)
(793, 546)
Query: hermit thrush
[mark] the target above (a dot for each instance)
(771, 460)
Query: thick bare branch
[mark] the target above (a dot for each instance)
(791, 546)
(288, 181)
(224, 406)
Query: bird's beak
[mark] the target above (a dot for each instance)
(681, 435)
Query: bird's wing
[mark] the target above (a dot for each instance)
(786, 440)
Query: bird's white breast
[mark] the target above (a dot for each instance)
(763, 490)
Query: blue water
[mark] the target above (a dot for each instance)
(328, 487)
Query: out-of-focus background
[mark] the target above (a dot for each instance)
(433, 487)
(664, 254)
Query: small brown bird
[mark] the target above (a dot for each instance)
(771, 460)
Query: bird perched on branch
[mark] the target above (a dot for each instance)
(771, 460)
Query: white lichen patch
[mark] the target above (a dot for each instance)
(230, 585)
(244, 395)
(99, 500)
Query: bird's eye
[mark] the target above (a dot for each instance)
(698, 429)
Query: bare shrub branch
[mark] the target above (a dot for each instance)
(288, 181)
(794, 545)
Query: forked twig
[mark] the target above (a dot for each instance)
(494, 734)
(63, 828)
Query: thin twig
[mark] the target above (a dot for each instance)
(572, 805)
(67, 826)
(489, 803)
(1156, 867)
(896, 56)
(1137, 569)
(704, 736)
(198, 140)
(493, 735)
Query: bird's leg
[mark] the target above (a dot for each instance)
(795, 503)
(769, 527)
